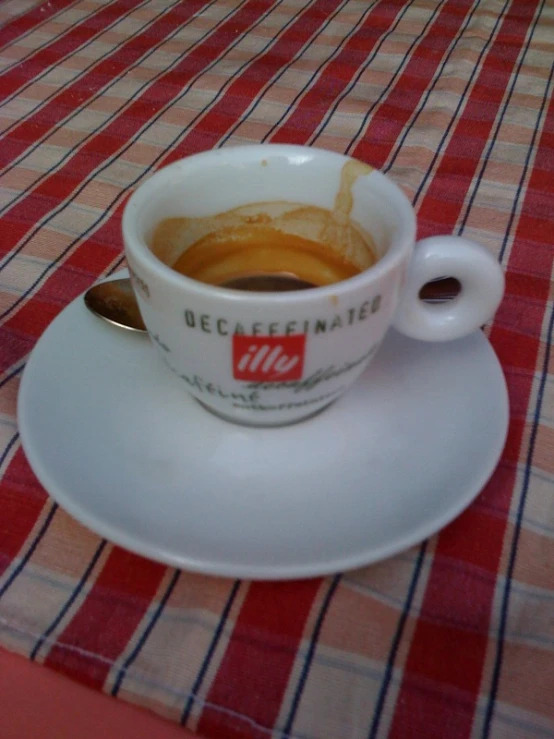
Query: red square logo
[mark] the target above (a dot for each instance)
(268, 358)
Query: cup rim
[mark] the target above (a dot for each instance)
(135, 245)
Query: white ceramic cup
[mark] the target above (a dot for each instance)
(267, 359)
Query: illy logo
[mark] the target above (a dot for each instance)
(268, 358)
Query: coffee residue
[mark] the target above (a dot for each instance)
(340, 226)
(218, 248)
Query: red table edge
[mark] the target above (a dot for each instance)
(38, 701)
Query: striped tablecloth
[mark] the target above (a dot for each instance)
(454, 638)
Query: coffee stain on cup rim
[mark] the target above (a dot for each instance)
(344, 200)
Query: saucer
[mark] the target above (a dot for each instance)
(117, 441)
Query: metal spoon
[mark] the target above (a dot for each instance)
(115, 301)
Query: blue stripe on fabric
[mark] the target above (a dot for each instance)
(74, 594)
(146, 633)
(9, 446)
(530, 151)
(211, 649)
(12, 374)
(385, 683)
(117, 265)
(310, 655)
(515, 540)
(29, 553)
(500, 120)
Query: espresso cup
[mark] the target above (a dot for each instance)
(274, 358)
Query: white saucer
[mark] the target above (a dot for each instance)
(117, 441)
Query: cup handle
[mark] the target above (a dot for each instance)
(482, 286)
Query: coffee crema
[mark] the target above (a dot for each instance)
(268, 251)
(244, 256)
(271, 246)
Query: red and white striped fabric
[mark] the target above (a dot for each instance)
(454, 638)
